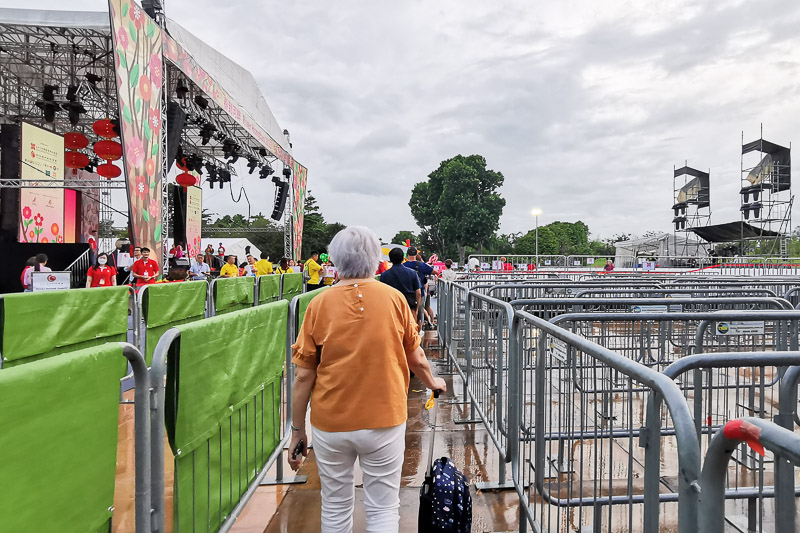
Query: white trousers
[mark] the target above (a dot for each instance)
(380, 453)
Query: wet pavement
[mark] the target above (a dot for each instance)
(296, 508)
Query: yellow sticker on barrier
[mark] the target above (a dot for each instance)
(429, 403)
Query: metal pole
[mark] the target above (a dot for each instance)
(537, 241)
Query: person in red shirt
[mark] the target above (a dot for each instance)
(145, 270)
(101, 274)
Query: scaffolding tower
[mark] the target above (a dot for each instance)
(691, 204)
(766, 193)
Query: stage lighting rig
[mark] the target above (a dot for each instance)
(287, 173)
(234, 157)
(93, 78)
(206, 132)
(252, 163)
(197, 164)
(201, 102)
(266, 171)
(228, 147)
(48, 102)
(262, 152)
(181, 90)
(73, 107)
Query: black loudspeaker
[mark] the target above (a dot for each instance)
(282, 190)
(9, 170)
(176, 119)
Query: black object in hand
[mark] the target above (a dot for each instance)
(299, 449)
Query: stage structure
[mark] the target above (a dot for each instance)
(169, 102)
(691, 205)
(766, 193)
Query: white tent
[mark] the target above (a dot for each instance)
(233, 246)
(668, 250)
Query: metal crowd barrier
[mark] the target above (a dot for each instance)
(593, 448)
(758, 434)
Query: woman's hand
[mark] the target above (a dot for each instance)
(297, 436)
(441, 385)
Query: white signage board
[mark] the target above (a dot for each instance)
(558, 349)
(648, 265)
(485, 266)
(652, 309)
(50, 281)
(547, 262)
(125, 260)
(589, 261)
(742, 327)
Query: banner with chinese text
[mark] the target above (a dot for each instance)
(41, 209)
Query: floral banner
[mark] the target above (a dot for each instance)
(138, 56)
(194, 220)
(299, 181)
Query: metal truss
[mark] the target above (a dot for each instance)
(32, 56)
(62, 184)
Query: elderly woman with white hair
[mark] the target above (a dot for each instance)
(354, 352)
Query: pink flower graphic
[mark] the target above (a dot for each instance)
(150, 167)
(155, 69)
(38, 219)
(154, 119)
(135, 150)
(141, 187)
(60, 238)
(136, 15)
(145, 90)
(26, 212)
(155, 209)
(122, 36)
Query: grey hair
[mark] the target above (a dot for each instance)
(356, 252)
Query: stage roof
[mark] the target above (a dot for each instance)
(236, 80)
(733, 231)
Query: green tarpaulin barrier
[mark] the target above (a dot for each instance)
(233, 294)
(223, 409)
(292, 285)
(302, 305)
(165, 305)
(58, 445)
(36, 325)
(269, 288)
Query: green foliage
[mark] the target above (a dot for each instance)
(458, 205)
(401, 236)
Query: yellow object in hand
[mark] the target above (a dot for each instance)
(429, 403)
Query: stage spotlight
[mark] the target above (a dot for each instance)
(220, 136)
(287, 173)
(201, 102)
(228, 146)
(224, 175)
(72, 93)
(197, 164)
(93, 78)
(266, 171)
(262, 152)
(181, 90)
(48, 104)
(206, 132)
(74, 110)
(252, 163)
(115, 123)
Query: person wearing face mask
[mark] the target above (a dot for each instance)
(101, 274)
(145, 270)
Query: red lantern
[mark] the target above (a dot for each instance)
(186, 180)
(181, 164)
(104, 128)
(108, 150)
(75, 141)
(109, 171)
(75, 160)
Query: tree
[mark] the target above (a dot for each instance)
(548, 243)
(458, 204)
(401, 237)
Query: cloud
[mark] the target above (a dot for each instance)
(584, 106)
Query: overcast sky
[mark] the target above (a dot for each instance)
(584, 106)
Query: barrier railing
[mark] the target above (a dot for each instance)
(38, 325)
(165, 305)
(59, 442)
(231, 294)
(292, 285)
(594, 448)
(222, 443)
(758, 434)
(576, 436)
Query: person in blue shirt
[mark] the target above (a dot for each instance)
(423, 270)
(403, 279)
(200, 269)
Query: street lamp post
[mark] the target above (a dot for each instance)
(536, 212)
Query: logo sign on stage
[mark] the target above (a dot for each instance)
(41, 210)
(50, 281)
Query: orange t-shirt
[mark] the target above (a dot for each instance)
(357, 337)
